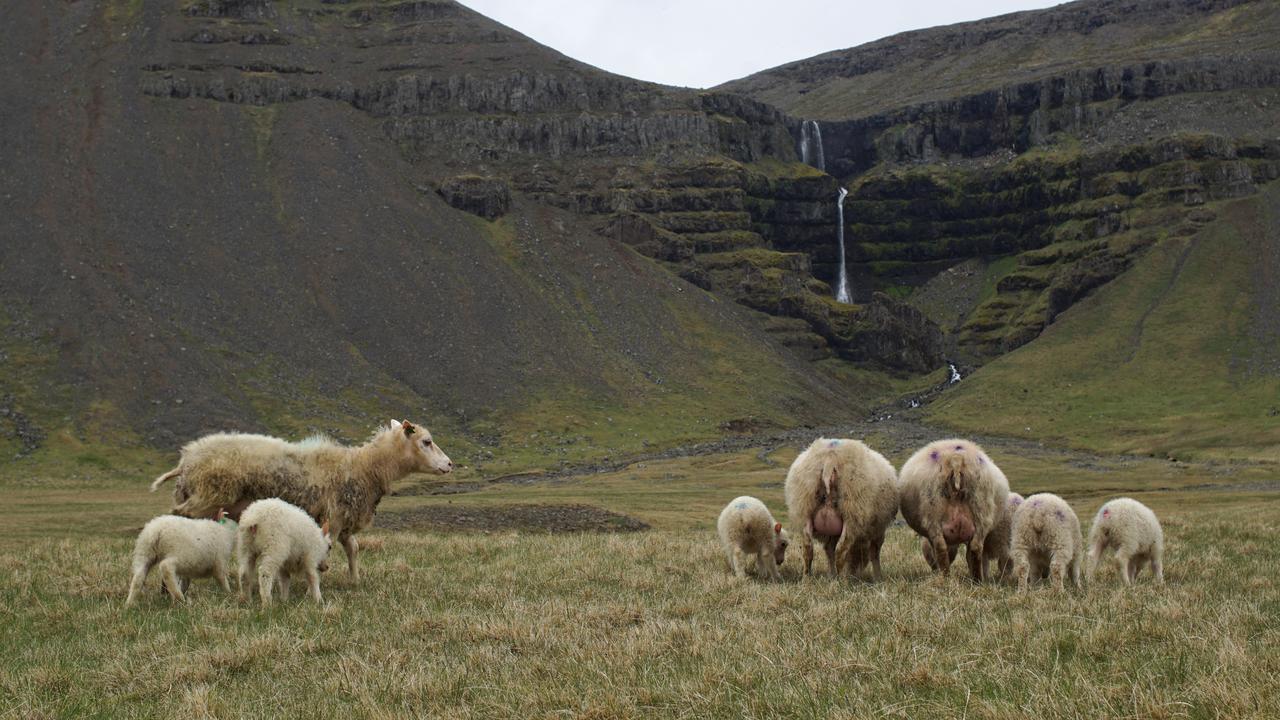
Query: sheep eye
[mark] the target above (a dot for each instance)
(426, 443)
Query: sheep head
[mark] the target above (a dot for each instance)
(780, 543)
(424, 454)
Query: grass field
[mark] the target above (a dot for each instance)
(650, 624)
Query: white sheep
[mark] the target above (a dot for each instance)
(952, 494)
(278, 539)
(997, 545)
(335, 484)
(1133, 531)
(747, 528)
(1046, 541)
(184, 550)
(845, 494)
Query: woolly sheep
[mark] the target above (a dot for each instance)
(184, 550)
(952, 494)
(747, 528)
(997, 545)
(337, 484)
(843, 493)
(278, 539)
(1133, 531)
(1046, 541)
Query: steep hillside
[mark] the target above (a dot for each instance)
(1180, 356)
(255, 214)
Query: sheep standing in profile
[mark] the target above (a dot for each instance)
(844, 494)
(747, 528)
(1046, 541)
(1133, 531)
(277, 540)
(183, 549)
(952, 494)
(335, 484)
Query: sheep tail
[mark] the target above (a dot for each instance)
(166, 477)
(828, 473)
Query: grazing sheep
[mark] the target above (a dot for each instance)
(1133, 531)
(746, 528)
(278, 539)
(336, 484)
(184, 549)
(952, 494)
(1046, 541)
(997, 545)
(843, 493)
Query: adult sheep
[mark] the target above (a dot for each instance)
(952, 494)
(333, 483)
(843, 493)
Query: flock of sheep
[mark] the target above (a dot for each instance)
(279, 505)
(845, 495)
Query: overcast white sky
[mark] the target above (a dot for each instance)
(701, 43)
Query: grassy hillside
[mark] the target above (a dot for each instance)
(651, 624)
(1179, 356)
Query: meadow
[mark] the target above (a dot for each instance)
(530, 624)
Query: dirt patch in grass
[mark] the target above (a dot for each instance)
(535, 518)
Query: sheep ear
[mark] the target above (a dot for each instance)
(777, 528)
(409, 428)
(324, 528)
(222, 513)
(395, 424)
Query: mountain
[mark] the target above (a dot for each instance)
(290, 216)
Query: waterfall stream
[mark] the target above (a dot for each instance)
(842, 286)
(811, 145)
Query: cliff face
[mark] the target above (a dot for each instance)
(1052, 146)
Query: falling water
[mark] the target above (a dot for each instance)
(842, 287)
(811, 145)
(955, 374)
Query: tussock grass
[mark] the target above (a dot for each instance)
(644, 625)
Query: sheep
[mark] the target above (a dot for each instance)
(1133, 531)
(335, 484)
(1046, 541)
(997, 545)
(276, 540)
(844, 493)
(952, 494)
(184, 549)
(747, 527)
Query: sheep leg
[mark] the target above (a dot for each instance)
(248, 567)
(875, 559)
(140, 571)
(766, 566)
(806, 541)
(1157, 567)
(282, 580)
(313, 583)
(976, 550)
(1057, 573)
(171, 581)
(220, 572)
(739, 563)
(268, 576)
(842, 555)
(1091, 560)
(1075, 572)
(1123, 560)
(350, 546)
(1022, 570)
(829, 546)
(941, 551)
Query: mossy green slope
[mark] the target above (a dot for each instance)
(1178, 356)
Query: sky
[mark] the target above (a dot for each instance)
(702, 43)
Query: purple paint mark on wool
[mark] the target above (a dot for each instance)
(1015, 501)
(934, 456)
(741, 506)
(1106, 512)
(959, 448)
(1035, 503)
(1059, 514)
(835, 443)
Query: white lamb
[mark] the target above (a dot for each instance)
(1046, 541)
(747, 528)
(184, 549)
(278, 539)
(1133, 531)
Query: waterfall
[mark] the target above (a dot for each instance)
(842, 287)
(811, 145)
(955, 374)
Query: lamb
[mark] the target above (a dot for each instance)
(184, 549)
(335, 484)
(952, 494)
(278, 539)
(843, 493)
(746, 528)
(1133, 531)
(1046, 541)
(997, 545)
